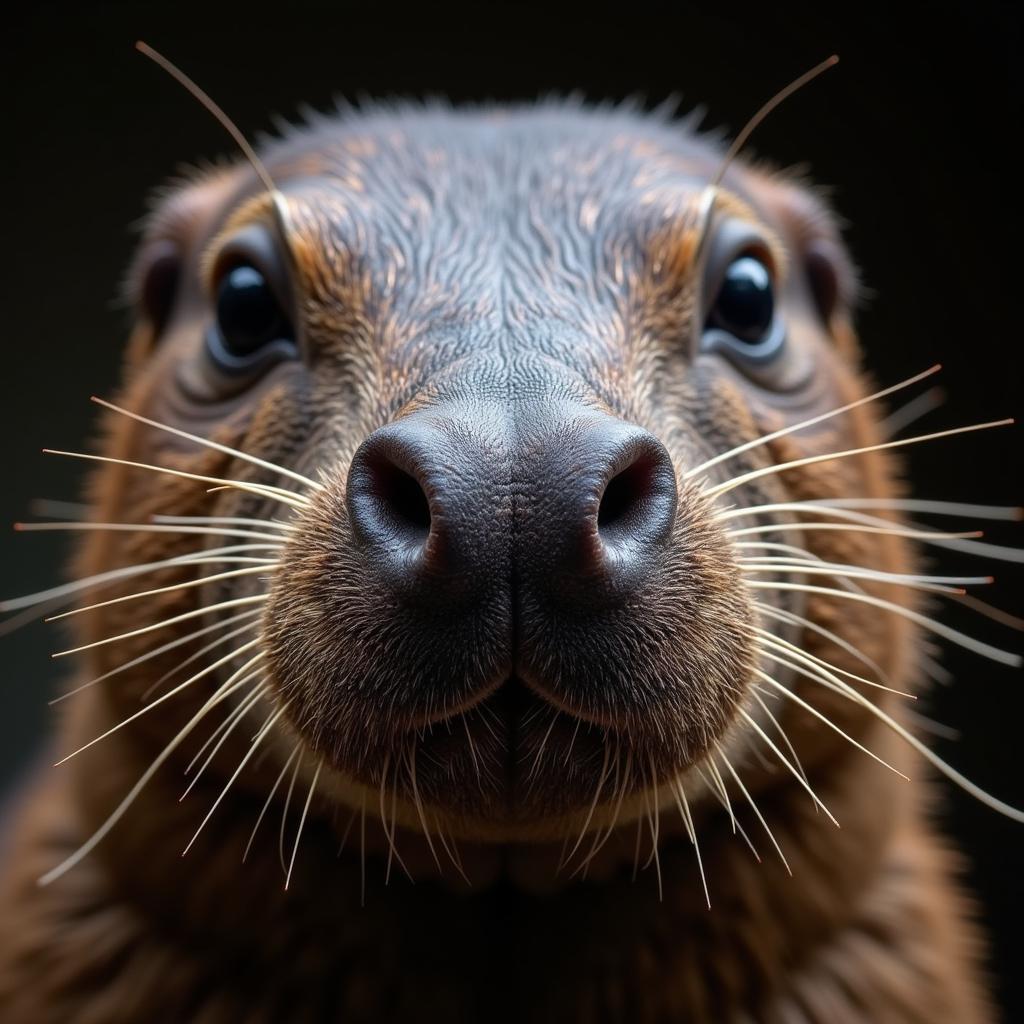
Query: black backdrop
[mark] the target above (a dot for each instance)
(915, 131)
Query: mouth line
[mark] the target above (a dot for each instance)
(452, 713)
(516, 730)
(513, 704)
(512, 698)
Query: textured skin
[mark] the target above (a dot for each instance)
(509, 277)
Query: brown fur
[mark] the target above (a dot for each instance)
(432, 251)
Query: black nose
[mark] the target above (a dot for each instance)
(577, 503)
(598, 508)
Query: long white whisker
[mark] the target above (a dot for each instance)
(602, 778)
(989, 611)
(928, 506)
(931, 584)
(285, 497)
(171, 693)
(790, 656)
(809, 560)
(753, 806)
(786, 692)
(654, 822)
(960, 541)
(722, 796)
(913, 535)
(803, 424)
(50, 508)
(266, 805)
(452, 850)
(782, 757)
(266, 565)
(302, 822)
(982, 549)
(934, 537)
(214, 445)
(532, 774)
(390, 830)
(261, 524)
(115, 816)
(205, 649)
(717, 786)
(802, 556)
(195, 613)
(652, 819)
(755, 693)
(220, 735)
(419, 806)
(1015, 813)
(939, 628)
(933, 668)
(206, 531)
(910, 412)
(68, 590)
(157, 651)
(801, 622)
(684, 809)
(394, 829)
(253, 747)
(362, 852)
(284, 815)
(811, 460)
(602, 837)
(767, 610)
(772, 642)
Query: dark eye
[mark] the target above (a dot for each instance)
(742, 316)
(745, 304)
(250, 325)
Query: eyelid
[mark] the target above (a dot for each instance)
(736, 237)
(256, 244)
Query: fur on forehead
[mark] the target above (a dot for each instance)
(594, 159)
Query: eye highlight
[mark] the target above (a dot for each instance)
(742, 318)
(745, 304)
(250, 325)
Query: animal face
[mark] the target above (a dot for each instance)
(501, 354)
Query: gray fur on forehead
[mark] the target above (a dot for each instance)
(604, 145)
(551, 119)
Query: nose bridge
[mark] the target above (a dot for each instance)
(527, 419)
(510, 473)
(506, 374)
(505, 406)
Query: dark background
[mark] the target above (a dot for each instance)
(914, 131)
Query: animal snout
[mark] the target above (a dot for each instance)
(514, 554)
(566, 500)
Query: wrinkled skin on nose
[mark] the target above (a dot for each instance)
(515, 557)
(544, 508)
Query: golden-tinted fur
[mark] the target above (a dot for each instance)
(433, 254)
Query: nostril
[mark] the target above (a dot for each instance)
(403, 509)
(625, 495)
(638, 503)
(401, 503)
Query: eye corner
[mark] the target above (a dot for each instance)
(152, 283)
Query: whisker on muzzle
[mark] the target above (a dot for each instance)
(170, 646)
